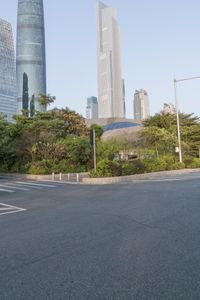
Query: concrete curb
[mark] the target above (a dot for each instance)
(146, 176)
(52, 177)
(105, 180)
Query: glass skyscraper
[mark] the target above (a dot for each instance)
(141, 105)
(8, 103)
(110, 84)
(31, 61)
(92, 108)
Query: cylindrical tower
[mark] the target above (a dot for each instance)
(31, 61)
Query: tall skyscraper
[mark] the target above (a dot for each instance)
(31, 61)
(92, 108)
(110, 84)
(124, 96)
(141, 105)
(8, 97)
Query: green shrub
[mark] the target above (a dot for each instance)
(155, 164)
(177, 166)
(193, 163)
(165, 163)
(107, 168)
(67, 166)
(188, 161)
(133, 167)
(39, 168)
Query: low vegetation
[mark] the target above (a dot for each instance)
(59, 141)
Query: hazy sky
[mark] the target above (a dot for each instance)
(159, 40)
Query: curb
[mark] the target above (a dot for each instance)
(146, 176)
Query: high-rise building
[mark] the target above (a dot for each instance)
(92, 108)
(124, 97)
(168, 109)
(31, 61)
(8, 99)
(141, 105)
(110, 84)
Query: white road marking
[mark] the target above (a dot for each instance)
(36, 184)
(11, 186)
(5, 208)
(10, 209)
(7, 191)
(60, 182)
(53, 181)
(24, 186)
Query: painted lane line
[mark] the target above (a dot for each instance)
(10, 206)
(12, 212)
(7, 191)
(24, 186)
(40, 182)
(10, 209)
(36, 184)
(13, 187)
(55, 181)
(5, 208)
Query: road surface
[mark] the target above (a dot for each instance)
(138, 240)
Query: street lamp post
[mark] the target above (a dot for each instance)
(177, 113)
(178, 122)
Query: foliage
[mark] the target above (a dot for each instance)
(48, 137)
(191, 162)
(155, 165)
(59, 141)
(133, 167)
(39, 168)
(159, 139)
(108, 150)
(107, 168)
(46, 100)
(98, 131)
(162, 131)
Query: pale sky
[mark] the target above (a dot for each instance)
(159, 40)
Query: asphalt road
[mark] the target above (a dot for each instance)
(130, 241)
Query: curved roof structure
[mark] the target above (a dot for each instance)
(120, 125)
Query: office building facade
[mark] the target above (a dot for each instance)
(8, 98)
(92, 108)
(141, 105)
(31, 60)
(110, 83)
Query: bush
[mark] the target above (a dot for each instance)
(165, 163)
(107, 168)
(133, 167)
(192, 163)
(188, 161)
(155, 164)
(67, 166)
(177, 166)
(39, 168)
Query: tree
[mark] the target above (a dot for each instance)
(190, 132)
(42, 138)
(46, 100)
(159, 139)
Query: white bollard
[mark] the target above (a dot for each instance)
(68, 177)
(53, 176)
(77, 177)
(60, 176)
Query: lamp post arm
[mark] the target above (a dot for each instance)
(186, 79)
